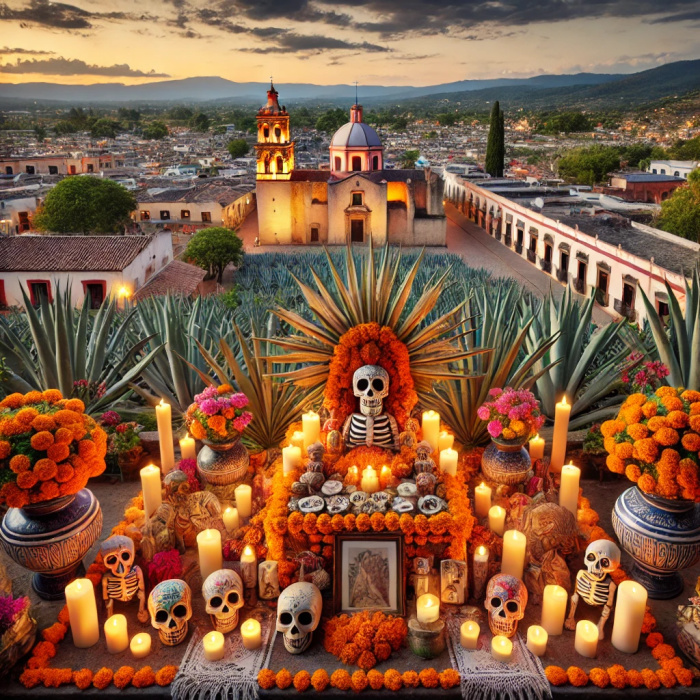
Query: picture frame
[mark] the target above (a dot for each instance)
(369, 573)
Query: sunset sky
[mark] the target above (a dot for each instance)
(389, 42)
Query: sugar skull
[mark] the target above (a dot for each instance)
(170, 606)
(223, 594)
(370, 384)
(506, 600)
(298, 614)
(602, 557)
(118, 554)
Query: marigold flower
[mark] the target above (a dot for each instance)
(25, 416)
(666, 436)
(556, 675)
(340, 679)
(633, 414)
(45, 649)
(577, 676)
(637, 431)
(666, 391)
(684, 676)
(366, 660)
(429, 678)
(75, 405)
(197, 430)
(615, 464)
(654, 639)
(376, 679)
(283, 679)
(634, 678)
(5, 449)
(691, 442)
(657, 422)
(320, 680)
(166, 675)
(618, 676)
(633, 472)
(663, 651)
(58, 452)
(42, 440)
(610, 427)
(650, 679)
(65, 417)
(34, 397)
(45, 469)
(646, 450)
(30, 678)
(358, 681)
(55, 633)
(650, 409)
(56, 677)
(302, 681)
(624, 450)
(449, 678)
(646, 483)
(599, 677)
(52, 396)
(266, 678)
(362, 522)
(12, 401)
(667, 678)
(672, 403)
(83, 678)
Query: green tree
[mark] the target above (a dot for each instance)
(215, 248)
(447, 118)
(331, 120)
(155, 131)
(495, 146)
(686, 150)
(199, 122)
(589, 166)
(180, 114)
(399, 124)
(680, 213)
(39, 132)
(130, 116)
(237, 148)
(86, 205)
(408, 159)
(104, 128)
(567, 122)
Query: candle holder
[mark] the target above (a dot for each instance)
(426, 640)
(480, 566)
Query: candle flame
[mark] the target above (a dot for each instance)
(162, 403)
(537, 436)
(247, 550)
(481, 485)
(563, 400)
(482, 550)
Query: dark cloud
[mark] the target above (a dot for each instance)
(7, 51)
(74, 66)
(690, 16)
(308, 43)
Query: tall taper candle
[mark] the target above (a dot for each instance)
(82, 613)
(630, 606)
(481, 570)
(165, 436)
(561, 435)
(151, 489)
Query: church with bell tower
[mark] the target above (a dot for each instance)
(351, 199)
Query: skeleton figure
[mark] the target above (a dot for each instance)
(170, 606)
(506, 600)
(223, 593)
(371, 426)
(298, 614)
(123, 579)
(595, 585)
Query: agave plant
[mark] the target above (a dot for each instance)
(679, 345)
(373, 293)
(501, 326)
(60, 345)
(275, 404)
(577, 371)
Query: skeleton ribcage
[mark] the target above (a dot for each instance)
(382, 431)
(594, 592)
(123, 588)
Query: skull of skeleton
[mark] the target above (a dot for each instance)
(223, 594)
(602, 557)
(506, 599)
(170, 607)
(371, 385)
(298, 614)
(118, 554)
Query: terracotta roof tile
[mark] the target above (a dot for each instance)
(176, 277)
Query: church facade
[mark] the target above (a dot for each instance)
(346, 203)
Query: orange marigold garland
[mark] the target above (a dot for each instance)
(266, 678)
(320, 680)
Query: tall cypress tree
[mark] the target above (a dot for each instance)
(501, 143)
(495, 146)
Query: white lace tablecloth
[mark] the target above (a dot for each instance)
(484, 678)
(235, 677)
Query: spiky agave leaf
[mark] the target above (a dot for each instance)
(372, 293)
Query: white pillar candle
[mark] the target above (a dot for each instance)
(469, 634)
(249, 567)
(311, 425)
(151, 489)
(187, 450)
(501, 648)
(554, 600)
(116, 634)
(231, 519)
(291, 459)
(251, 634)
(448, 461)
(537, 640)
(568, 488)
(445, 441)
(427, 608)
(497, 519)
(482, 500)
(481, 570)
(513, 561)
(244, 500)
(561, 435)
(630, 606)
(431, 428)
(586, 640)
(211, 558)
(370, 480)
(298, 439)
(536, 448)
(165, 436)
(82, 613)
(213, 643)
(140, 645)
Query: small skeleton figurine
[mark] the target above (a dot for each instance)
(424, 463)
(313, 470)
(595, 585)
(123, 579)
(371, 426)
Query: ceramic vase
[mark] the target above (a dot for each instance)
(51, 539)
(506, 462)
(221, 464)
(661, 535)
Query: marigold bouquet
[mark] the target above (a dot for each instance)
(49, 447)
(218, 414)
(655, 442)
(513, 414)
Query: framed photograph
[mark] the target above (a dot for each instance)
(369, 573)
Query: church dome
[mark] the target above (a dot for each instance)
(355, 135)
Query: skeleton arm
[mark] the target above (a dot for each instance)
(607, 608)
(346, 428)
(570, 622)
(141, 594)
(109, 603)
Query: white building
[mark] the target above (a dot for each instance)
(676, 168)
(94, 267)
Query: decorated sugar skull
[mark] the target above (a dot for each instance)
(170, 606)
(506, 600)
(602, 557)
(118, 554)
(298, 614)
(370, 384)
(223, 594)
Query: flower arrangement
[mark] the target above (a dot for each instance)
(10, 610)
(646, 379)
(513, 414)
(655, 442)
(218, 414)
(49, 447)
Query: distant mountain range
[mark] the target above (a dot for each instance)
(542, 91)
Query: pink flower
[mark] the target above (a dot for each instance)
(495, 428)
(483, 413)
(239, 400)
(495, 391)
(209, 407)
(241, 422)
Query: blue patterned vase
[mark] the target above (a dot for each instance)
(661, 535)
(51, 539)
(222, 464)
(506, 462)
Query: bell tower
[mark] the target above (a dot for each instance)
(274, 149)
